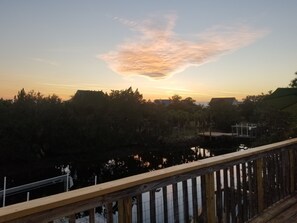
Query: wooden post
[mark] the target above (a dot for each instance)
(194, 200)
(292, 170)
(186, 201)
(92, 215)
(153, 206)
(109, 214)
(260, 189)
(139, 208)
(175, 203)
(71, 218)
(210, 198)
(165, 205)
(125, 210)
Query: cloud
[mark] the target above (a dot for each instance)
(157, 52)
(46, 61)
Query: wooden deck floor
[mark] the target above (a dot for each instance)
(282, 212)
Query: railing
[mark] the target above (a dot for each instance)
(33, 186)
(230, 188)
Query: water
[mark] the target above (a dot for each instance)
(87, 169)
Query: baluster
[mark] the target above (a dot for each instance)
(165, 204)
(194, 200)
(175, 202)
(244, 193)
(139, 208)
(292, 171)
(125, 210)
(186, 201)
(210, 198)
(219, 197)
(152, 206)
(260, 190)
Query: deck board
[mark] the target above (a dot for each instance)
(282, 212)
(289, 215)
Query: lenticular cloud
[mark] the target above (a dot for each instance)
(157, 52)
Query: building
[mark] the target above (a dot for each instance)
(228, 101)
(165, 102)
(284, 99)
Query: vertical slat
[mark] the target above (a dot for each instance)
(186, 201)
(165, 204)
(219, 197)
(152, 206)
(251, 192)
(203, 216)
(109, 213)
(71, 218)
(284, 173)
(265, 180)
(175, 202)
(295, 169)
(282, 182)
(292, 171)
(272, 180)
(244, 193)
(280, 174)
(226, 196)
(287, 167)
(260, 189)
(139, 208)
(239, 194)
(194, 200)
(232, 191)
(210, 198)
(125, 210)
(277, 176)
(92, 215)
(269, 184)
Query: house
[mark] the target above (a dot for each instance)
(165, 102)
(284, 99)
(227, 101)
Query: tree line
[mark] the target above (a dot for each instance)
(34, 126)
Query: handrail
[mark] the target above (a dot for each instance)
(34, 185)
(108, 192)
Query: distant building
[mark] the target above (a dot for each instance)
(88, 98)
(163, 101)
(244, 130)
(87, 93)
(284, 99)
(228, 101)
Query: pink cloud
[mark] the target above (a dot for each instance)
(157, 52)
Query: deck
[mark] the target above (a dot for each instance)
(254, 185)
(282, 212)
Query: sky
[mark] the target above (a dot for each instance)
(199, 49)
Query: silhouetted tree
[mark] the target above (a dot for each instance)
(293, 83)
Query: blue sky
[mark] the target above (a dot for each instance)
(200, 49)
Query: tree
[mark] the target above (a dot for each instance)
(293, 83)
(223, 115)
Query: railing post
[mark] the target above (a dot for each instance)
(260, 189)
(93, 210)
(125, 210)
(210, 197)
(4, 192)
(292, 170)
(71, 218)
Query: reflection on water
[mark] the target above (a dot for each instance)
(94, 169)
(119, 167)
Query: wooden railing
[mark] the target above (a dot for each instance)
(230, 188)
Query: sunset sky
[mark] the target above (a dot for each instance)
(199, 49)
